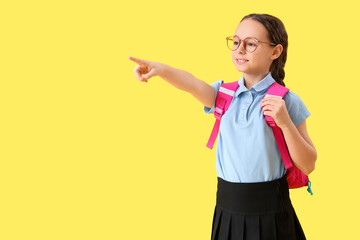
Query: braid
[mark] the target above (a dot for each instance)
(277, 71)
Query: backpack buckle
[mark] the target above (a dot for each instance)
(218, 112)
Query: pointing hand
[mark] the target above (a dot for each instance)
(146, 68)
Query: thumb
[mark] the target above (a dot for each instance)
(150, 74)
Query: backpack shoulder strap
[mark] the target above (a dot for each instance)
(222, 103)
(224, 97)
(277, 90)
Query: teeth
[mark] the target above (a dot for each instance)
(241, 60)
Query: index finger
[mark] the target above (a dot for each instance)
(137, 60)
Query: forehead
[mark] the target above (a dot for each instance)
(251, 28)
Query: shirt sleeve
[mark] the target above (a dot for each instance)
(216, 85)
(296, 108)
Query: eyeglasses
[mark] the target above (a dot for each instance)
(249, 44)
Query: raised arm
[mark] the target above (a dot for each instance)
(180, 79)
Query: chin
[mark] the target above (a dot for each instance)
(240, 69)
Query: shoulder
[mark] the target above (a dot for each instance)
(216, 85)
(292, 99)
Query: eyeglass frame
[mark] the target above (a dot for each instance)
(242, 40)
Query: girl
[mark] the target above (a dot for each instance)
(252, 193)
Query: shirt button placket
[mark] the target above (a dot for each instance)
(248, 101)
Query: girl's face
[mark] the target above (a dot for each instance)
(259, 61)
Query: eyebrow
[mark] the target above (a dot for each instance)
(246, 37)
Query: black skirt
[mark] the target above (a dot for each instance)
(256, 211)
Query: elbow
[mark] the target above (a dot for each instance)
(311, 167)
(309, 170)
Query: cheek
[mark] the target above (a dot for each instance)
(258, 59)
(233, 58)
(264, 56)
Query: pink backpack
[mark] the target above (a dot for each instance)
(295, 177)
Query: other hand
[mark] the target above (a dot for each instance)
(276, 108)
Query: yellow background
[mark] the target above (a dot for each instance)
(89, 152)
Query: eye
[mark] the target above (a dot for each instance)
(236, 43)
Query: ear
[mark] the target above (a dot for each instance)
(276, 52)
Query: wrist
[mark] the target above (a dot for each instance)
(163, 70)
(287, 126)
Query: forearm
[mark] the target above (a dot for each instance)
(179, 78)
(301, 152)
(185, 81)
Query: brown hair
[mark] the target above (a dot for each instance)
(277, 34)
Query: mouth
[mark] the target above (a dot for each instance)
(241, 61)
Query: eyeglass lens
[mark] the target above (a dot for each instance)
(249, 44)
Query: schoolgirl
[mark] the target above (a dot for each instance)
(252, 200)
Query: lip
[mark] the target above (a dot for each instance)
(240, 63)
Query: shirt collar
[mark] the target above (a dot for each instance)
(265, 83)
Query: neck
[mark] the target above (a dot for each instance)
(251, 79)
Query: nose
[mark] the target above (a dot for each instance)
(241, 48)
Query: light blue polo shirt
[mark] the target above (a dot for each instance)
(246, 149)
